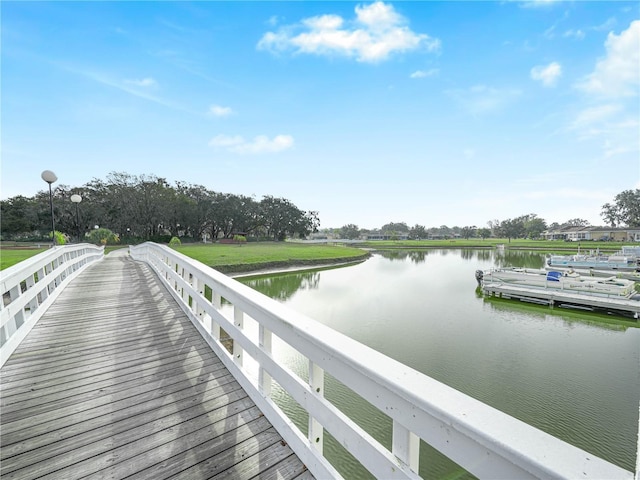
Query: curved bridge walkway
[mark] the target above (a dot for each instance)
(115, 382)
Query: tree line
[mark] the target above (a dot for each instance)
(148, 207)
(625, 210)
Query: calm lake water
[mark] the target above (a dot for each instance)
(575, 375)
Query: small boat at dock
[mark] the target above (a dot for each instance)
(627, 259)
(568, 281)
(564, 289)
(594, 272)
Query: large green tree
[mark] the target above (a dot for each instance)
(349, 231)
(147, 207)
(392, 227)
(624, 211)
(534, 226)
(468, 232)
(418, 232)
(512, 228)
(19, 214)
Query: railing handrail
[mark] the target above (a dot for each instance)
(483, 440)
(30, 287)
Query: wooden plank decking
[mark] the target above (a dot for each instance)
(115, 382)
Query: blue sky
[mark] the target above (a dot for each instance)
(436, 113)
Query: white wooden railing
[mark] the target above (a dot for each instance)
(483, 440)
(31, 286)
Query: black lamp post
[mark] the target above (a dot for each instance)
(75, 198)
(50, 177)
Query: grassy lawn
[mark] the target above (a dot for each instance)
(9, 257)
(251, 256)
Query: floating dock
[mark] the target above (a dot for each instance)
(553, 297)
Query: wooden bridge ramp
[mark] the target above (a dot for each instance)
(115, 382)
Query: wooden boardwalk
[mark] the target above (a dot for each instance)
(115, 382)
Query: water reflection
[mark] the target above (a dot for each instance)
(569, 317)
(283, 286)
(519, 258)
(499, 257)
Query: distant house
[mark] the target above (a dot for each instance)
(319, 236)
(620, 234)
(576, 234)
(377, 235)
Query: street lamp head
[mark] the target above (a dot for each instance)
(75, 198)
(49, 177)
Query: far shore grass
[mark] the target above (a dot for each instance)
(246, 257)
(234, 257)
(9, 257)
(545, 245)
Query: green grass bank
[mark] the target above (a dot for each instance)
(545, 245)
(11, 256)
(234, 258)
(247, 257)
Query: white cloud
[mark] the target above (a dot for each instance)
(424, 73)
(536, 3)
(143, 82)
(547, 74)
(617, 74)
(608, 24)
(611, 90)
(219, 111)
(595, 115)
(117, 83)
(273, 20)
(260, 144)
(377, 32)
(226, 141)
(577, 34)
(615, 129)
(481, 99)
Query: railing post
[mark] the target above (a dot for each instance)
(197, 302)
(406, 446)
(216, 301)
(264, 379)
(238, 320)
(33, 303)
(316, 431)
(44, 292)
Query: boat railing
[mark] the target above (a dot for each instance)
(31, 286)
(486, 442)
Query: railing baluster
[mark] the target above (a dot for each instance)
(406, 446)
(197, 302)
(264, 379)
(316, 431)
(238, 320)
(216, 301)
(43, 291)
(33, 303)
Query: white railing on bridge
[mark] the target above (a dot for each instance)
(31, 286)
(483, 440)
